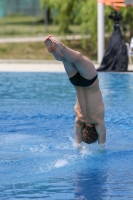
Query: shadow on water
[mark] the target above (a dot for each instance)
(90, 185)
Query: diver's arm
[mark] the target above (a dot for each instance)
(77, 129)
(101, 130)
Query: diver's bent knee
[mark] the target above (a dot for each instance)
(79, 56)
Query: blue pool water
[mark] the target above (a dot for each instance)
(38, 159)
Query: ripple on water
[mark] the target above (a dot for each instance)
(38, 154)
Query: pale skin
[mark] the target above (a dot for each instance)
(89, 108)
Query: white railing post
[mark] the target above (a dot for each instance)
(100, 30)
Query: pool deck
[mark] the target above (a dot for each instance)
(36, 66)
(30, 66)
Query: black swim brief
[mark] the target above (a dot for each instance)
(89, 134)
(79, 80)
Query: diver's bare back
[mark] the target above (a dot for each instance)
(89, 106)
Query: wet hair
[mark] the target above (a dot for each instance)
(89, 134)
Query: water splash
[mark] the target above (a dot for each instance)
(60, 163)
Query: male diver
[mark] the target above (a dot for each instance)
(89, 107)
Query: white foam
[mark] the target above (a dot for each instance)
(84, 149)
(73, 141)
(61, 163)
(37, 148)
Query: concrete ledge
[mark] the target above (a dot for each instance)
(27, 61)
(31, 67)
(36, 66)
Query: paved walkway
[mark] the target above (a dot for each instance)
(38, 39)
(35, 66)
(26, 66)
(32, 66)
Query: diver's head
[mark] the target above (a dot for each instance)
(89, 134)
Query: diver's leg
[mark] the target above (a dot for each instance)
(69, 67)
(59, 56)
(83, 65)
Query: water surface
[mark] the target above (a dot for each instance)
(38, 159)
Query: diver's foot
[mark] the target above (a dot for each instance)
(46, 38)
(49, 44)
(58, 45)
